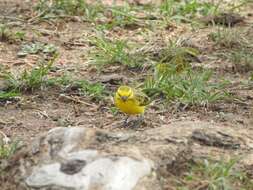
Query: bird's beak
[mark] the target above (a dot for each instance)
(124, 98)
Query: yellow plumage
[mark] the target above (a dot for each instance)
(130, 101)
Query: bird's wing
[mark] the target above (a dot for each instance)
(141, 98)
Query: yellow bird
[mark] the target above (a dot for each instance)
(130, 101)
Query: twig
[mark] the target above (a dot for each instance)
(6, 139)
(3, 122)
(12, 18)
(77, 100)
(33, 19)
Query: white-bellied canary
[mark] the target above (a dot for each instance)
(130, 101)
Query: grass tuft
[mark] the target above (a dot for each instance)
(242, 60)
(10, 36)
(96, 91)
(36, 48)
(109, 52)
(37, 78)
(7, 149)
(28, 80)
(229, 38)
(5, 34)
(187, 87)
(122, 16)
(176, 55)
(216, 175)
(187, 10)
(7, 95)
(69, 7)
(57, 8)
(238, 44)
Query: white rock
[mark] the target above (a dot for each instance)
(105, 173)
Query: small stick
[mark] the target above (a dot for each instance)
(77, 100)
(6, 139)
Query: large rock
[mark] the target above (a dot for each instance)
(84, 169)
(127, 159)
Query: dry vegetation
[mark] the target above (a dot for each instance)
(61, 61)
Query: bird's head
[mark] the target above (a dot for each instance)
(124, 93)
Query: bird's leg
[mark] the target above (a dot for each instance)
(141, 118)
(125, 121)
(138, 122)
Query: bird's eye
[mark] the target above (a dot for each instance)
(119, 94)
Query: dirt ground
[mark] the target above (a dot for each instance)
(36, 112)
(39, 111)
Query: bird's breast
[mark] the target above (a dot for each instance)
(129, 107)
